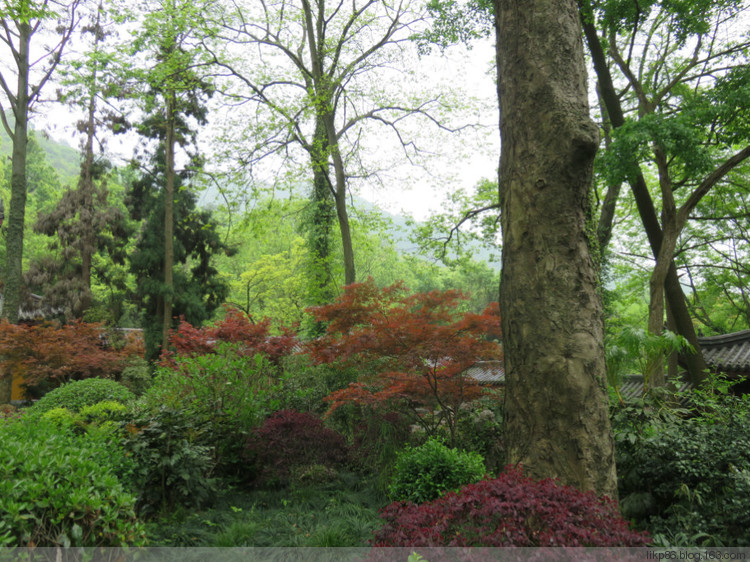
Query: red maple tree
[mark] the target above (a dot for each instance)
(235, 327)
(51, 354)
(419, 346)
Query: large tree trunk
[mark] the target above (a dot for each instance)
(320, 220)
(556, 418)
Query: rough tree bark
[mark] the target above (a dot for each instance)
(556, 418)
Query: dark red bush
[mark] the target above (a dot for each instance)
(289, 440)
(511, 510)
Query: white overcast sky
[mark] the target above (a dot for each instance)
(461, 161)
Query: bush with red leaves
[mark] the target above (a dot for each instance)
(288, 440)
(511, 510)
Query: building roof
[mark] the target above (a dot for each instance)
(728, 353)
(34, 309)
(487, 372)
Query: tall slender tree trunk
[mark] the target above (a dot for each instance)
(13, 272)
(350, 275)
(169, 221)
(556, 412)
(87, 186)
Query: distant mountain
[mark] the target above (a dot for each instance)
(60, 155)
(66, 160)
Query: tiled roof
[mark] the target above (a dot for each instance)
(34, 309)
(487, 372)
(632, 386)
(728, 353)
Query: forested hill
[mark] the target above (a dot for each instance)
(61, 156)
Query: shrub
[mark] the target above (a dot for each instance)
(481, 429)
(104, 411)
(418, 346)
(289, 440)
(136, 376)
(228, 393)
(251, 338)
(77, 394)
(511, 510)
(172, 467)
(426, 472)
(687, 480)
(379, 435)
(60, 489)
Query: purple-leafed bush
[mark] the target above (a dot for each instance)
(288, 440)
(510, 510)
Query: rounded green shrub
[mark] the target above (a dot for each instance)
(77, 395)
(426, 472)
(61, 489)
(104, 411)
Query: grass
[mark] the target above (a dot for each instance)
(339, 513)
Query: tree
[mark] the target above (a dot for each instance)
(674, 113)
(173, 92)
(419, 345)
(21, 21)
(318, 89)
(556, 414)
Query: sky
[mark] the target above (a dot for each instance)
(460, 160)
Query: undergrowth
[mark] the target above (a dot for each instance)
(340, 513)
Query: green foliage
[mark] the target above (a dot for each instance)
(173, 467)
(427, 472)
(136, 376)
(61, 489)
(685, 478)
(634, 349)
(456, 22)
(104, 411)
(481, 430)
(76, 395)
(198, 289)
(227, 392)
(304, 385)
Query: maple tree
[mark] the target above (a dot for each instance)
(418, 345)
(52, 354)
(235, 327)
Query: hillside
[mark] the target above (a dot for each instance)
(60, 155)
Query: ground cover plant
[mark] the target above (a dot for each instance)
(340, 512)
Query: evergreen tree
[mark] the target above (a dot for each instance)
(197, 289)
